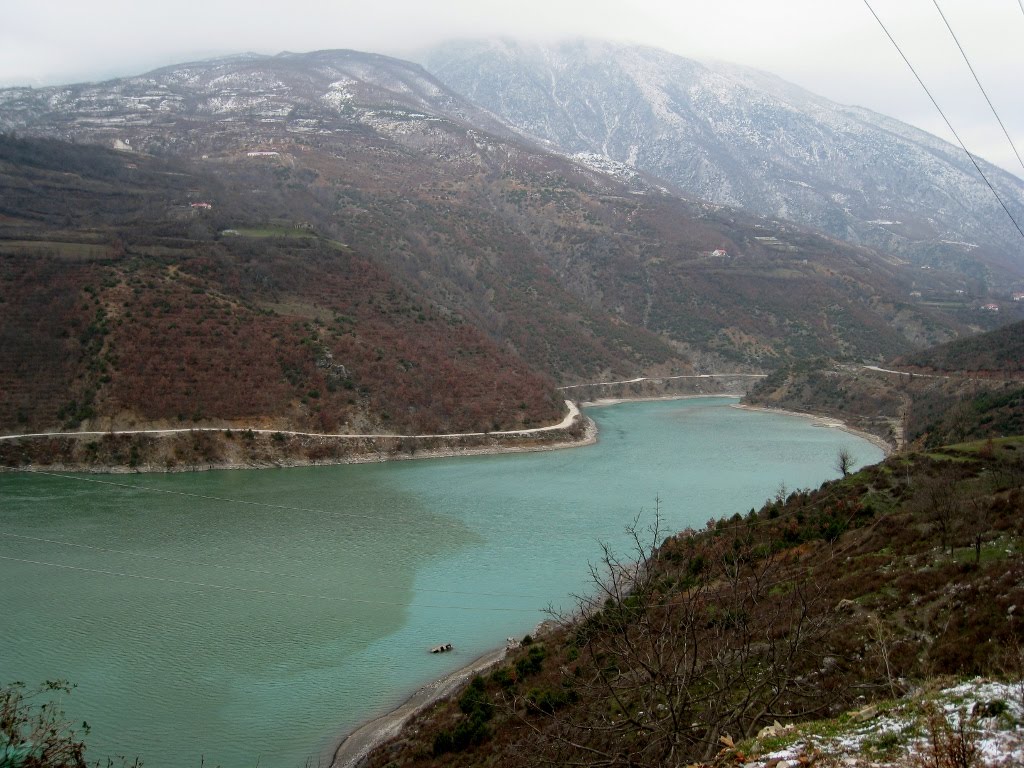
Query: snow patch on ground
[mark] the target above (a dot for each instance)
(856, 739)
(604, 164)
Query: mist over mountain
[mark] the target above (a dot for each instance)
(750, 140)
(179, 107)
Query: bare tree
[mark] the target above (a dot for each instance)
(685, 650)
(844, 461)
(942, 503)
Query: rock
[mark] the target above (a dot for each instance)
(863, 715)
(776, 729)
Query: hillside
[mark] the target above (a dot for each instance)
(999, 353)
(749, 140)
(336, 242)
(972, 388)
(816, 605)
(124, 304)
(584, 272)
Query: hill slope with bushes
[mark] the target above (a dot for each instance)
(967, 389)
(817, 604)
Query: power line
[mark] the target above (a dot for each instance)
(256, 571)
(978, 81)
(228, 588)
(945, 119)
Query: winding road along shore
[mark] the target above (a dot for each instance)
(574, 412)
(571, 416)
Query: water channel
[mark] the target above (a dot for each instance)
(236, 617)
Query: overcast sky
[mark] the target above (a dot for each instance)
(832, 47)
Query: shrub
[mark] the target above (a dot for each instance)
(34, 735)
(471, 731)
(474, 702)
(531, 663)
(503, 677)
(948, 745)
(547, 701)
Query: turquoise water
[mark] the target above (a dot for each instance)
(242, 616)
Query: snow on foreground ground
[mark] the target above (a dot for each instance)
(977, 724)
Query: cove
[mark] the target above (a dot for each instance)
(241, 616)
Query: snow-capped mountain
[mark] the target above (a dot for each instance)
(747, 139)
(186, 105)
(580, 263)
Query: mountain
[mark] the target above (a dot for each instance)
(206, 105)
(124, 306)
(349, 203)
(750, 140)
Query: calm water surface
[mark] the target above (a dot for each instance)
(245, 616)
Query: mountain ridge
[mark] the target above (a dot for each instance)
(704, 128)
(259, 181)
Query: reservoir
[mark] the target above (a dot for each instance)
(248, 617)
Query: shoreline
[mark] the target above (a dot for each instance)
(354, 747)
(602, 402)
(589, 437)
(370, 456)
(830, 422)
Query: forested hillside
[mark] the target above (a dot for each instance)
(124, 304)
(1000, 353)
(584, 272)
(334, 241)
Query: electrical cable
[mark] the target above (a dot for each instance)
(945, 119)
(978, 81)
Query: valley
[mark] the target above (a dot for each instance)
(401, 263)
(298, 262)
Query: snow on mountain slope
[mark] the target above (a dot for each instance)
(745, 138)
(312, 92)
